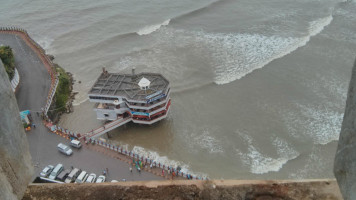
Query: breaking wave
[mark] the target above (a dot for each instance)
(152, 28)
(243, 53)
(259, 162)
(165, 161)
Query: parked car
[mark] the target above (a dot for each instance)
(64, 149)
(114, 181)
(82, 177)
(100, 179)
(46, 171)
(73, 175)
(91, 178)
(75, 143)
(58, 169)
(63, 175)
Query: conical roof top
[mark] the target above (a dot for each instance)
(144, 82)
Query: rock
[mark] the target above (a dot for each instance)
(15, 160)
(51, 57)
(345, 158)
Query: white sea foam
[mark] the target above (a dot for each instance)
(329, 88)
(164, 160)
(46, 44)
(152, 28)
(320, 123)
(260, 163)
(317, 26)
(207, 142)
(237, 55)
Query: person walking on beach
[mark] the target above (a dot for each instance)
(107, 170)
(139, 170)
(130, 169)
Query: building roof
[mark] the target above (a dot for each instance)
(127, 85)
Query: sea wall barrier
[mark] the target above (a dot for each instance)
(42, 55)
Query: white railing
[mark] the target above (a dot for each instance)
(15, 80)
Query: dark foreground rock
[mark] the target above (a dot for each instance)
(345, 158)
(183, 189)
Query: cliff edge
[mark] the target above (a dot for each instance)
(15, 159)
(345, 158)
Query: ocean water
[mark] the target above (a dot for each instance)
(258, 87)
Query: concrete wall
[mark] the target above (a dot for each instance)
(15, 160)
(345, 159)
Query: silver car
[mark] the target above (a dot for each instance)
(91, 178)
(100, 179)
(64, 149)
(46, 171)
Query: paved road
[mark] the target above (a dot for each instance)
(31, 95)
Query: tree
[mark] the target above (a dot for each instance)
(8, 60)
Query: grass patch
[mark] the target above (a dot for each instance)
(8, 59)
(63, 89)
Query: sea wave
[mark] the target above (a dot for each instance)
(316, 165)
(164, 160)
(259, 162)
(152, 28)
(320, 123)
(240, 54)
(197, 11)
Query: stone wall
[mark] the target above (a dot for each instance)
(345, 159)
(189, 189)
(15, 160)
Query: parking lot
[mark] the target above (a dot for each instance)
(43, 148)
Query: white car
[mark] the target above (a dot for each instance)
(91, 178)
(64, 149)
(75, 144)
(46, 171)
(100, 179)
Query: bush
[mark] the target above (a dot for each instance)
(63, 89)
(8, 60)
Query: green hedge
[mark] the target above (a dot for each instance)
(63, 90)
(7, 58)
